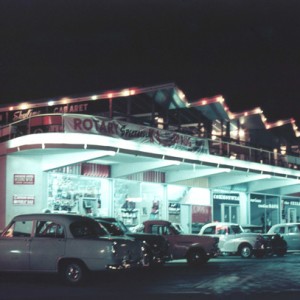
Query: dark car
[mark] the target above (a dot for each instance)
(276, 243)
(157, 246)
(196, 249)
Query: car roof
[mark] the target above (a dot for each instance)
(286, 224)
(108, 219)
(67, 218)
(221, 224)
(157, 222)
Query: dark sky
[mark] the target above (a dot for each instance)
(248, 51)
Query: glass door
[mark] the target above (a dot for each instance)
(230, 213)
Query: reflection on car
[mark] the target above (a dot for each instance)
(69, 245)
(290, 232)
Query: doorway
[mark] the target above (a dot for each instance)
(230, 213)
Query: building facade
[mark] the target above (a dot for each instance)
(139, 154)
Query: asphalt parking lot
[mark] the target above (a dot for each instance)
(221, 278)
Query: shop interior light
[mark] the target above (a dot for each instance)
(132, 199)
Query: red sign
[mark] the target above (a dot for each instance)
(24, 178)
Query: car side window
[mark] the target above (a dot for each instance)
(279, 229)
(19, 229)
(49, 229)
(158, 229)
(293, 229)
(210, 230)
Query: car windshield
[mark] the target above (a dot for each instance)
(175, 229)
(86, 229)
(112, 229)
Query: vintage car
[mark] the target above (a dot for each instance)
(290, 233)
(234, 241)
(156, 246)
(70, 245)
(196, 249)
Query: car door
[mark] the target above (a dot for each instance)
(293, 237)
(283, 231)
(15, 246)
(47, 246)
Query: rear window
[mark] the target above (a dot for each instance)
(236, 229)
(85, 229)
(210, 230)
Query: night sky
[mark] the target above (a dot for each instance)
(247, 51)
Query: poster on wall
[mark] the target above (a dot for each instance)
(26, 179)
(23, 200)
(201, 213)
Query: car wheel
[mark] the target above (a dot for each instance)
(280, 252)
(245, 250)
(196, 257)
(73, 272)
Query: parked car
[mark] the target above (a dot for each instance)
(157, 247)
(290, 232)
(196, 249)
(276, 244)
(70, 245)
(234, 241)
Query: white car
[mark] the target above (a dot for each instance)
(234, 241)
(70, 245)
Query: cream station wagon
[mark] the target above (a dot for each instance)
(70, 245)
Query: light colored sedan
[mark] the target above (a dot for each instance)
(70, 245)
(290, 232)
(234, 241)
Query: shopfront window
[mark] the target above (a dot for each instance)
(77, 194)
(290, 210)
(136, 202)
(176, 195)
(264, 210)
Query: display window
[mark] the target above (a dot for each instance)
(175, 196)
(264, 210)
(77, 194)
(136, 202)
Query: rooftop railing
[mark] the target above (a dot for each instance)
(55, 123)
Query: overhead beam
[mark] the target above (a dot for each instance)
(121, 169)
(234, 179)
(53, 161)
(174, 176)
(269, 184)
